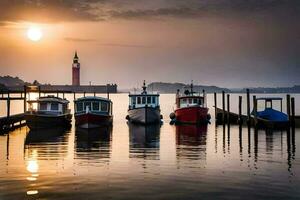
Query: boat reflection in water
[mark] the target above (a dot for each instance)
(144, 141)
(191, 142)
(93, 144)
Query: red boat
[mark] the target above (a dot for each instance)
(93, 112)
(190, 108)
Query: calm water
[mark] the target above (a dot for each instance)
(133, 162)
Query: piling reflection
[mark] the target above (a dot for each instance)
(144, 141)
(93, 144)
(191, 142)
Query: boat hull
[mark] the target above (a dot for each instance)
(144, 115)
(192, 115)
(37, 121)
(91, 120)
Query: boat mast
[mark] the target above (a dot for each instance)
(144, 88)
(192, 88)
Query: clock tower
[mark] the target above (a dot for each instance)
(76, 70)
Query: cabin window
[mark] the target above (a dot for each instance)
(138, 100)
(133, 100)
(79, 107)
(183, 101)
(143, 100)
(195, 101)
(87, 104)
(154, 100)
(148, 100)
(96, 106)
(54, 106)
(190, 101)
(104, 106)
(43, 106)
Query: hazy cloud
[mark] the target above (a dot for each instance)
(97, 10)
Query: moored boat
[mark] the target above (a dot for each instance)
(190, 108)
(93, 112)
(50, 112)
(270, 117)
(144, 108)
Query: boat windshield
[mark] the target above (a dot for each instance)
(96, 106)
(137, 101)
(189, 102)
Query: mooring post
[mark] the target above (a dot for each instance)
(94, 94)
(57, 95)
(8, 106)
(223, 106)
(215, 99)
(25, 98)
(248, 105)
(84, 94)
(255, 109)
(293, 110)
(228, 108)
(74, 95)
(63, 95)
(108, 95)
(240, 110)
(288, 106)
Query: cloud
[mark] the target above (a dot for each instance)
(98, 10)
(72, 39)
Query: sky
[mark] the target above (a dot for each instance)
(227, 43)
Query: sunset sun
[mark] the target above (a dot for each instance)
(34, 33)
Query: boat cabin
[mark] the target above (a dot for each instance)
(143, 100)
(190, 101)
(269, 101)
(93, 104)
(49, 104)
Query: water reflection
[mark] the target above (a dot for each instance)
(191, 142)
(93, 144)
(47, 143)
(144, 141)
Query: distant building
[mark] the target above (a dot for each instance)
(76, 71)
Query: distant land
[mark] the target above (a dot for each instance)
(163, 87)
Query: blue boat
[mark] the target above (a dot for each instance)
(270, 117)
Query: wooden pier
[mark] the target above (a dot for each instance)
(224, 115)
(11, 122)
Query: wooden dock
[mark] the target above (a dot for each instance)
(225, 116)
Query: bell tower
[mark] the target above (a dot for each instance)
(76, 70)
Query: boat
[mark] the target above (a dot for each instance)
(93, 112)
(144, 108)
(190, 108)
(48, 112)
(270, 117)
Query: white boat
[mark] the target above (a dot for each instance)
(144, 108)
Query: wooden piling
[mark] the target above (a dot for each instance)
(25, 99)
(8, 106)
(215, 100)
(293, 111)
(63, 95)
(74, 95)
(288, 106)
(240, 109)
(228, 108)
(255, 109)
(248, 105)
(94, 94)
(84, 94)
(223, 106)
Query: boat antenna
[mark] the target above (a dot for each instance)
(144, 88)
